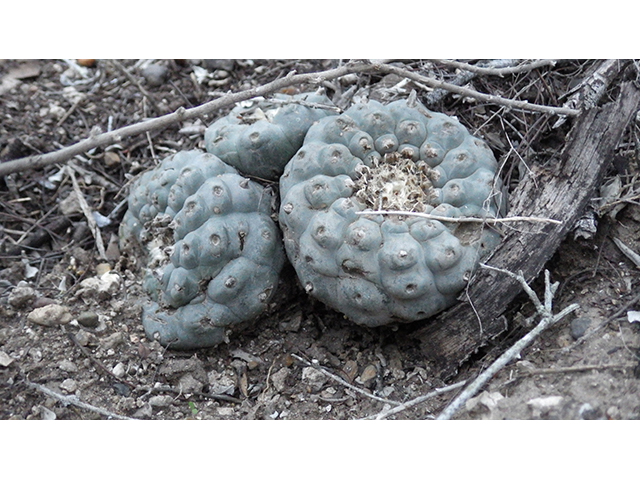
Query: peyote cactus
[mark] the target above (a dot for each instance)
(378, 268)
(215, 254)
(259, 138)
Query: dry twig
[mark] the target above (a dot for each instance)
(548, 319)
(86, 210)
(423, 398)
(74, 400)
(342, 382)
(315, 78)
(499, 71)
(489, 221)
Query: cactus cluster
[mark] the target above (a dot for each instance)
(259, 137)
(214, 253)
(382, 268)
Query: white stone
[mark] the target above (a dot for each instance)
(544, 404)
(5, 359)
(50, 315)
(119, 370)
(70, 385)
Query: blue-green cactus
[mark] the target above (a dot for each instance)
(259, 138)
(378, 268)
(214, 253)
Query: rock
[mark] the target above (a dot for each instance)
(70, 385)
(579, 327)
(161, 401)
(114, 340)
(88, 319)
(588, 412)
(22, 295)
(314, 379)
(155, 74)
(50, 315)
(5, 359)
(100, 287)
(119, 370)
(68, 366)
(489, 400)
(221, 383)
(369, 373)
(143, 412)
(189, 384)
(86, 338)
(543, 405)
(279, 379)
(222, 64)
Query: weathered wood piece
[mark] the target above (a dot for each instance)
(560, 191)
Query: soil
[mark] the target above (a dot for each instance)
(300, 360)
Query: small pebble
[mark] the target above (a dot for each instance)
(68, 366)
(88, 319)
(587, 412)
(86, 338)
(155, 74)
(279, 379)
(70, 385)
(161, 401)
(5, 359)
(579, 326)
(119, 370)
(122, 389)
(22, 295)
(369, 373)
(313, 378)
(50, 315)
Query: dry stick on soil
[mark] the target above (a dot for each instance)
(74, 400)
(548, 319)
(438, 391)
(86, 210)
(87, 354)
(482, 70)
(488, 221)
(342, 382)
(316, 78)
(577, 368)
(422, 81)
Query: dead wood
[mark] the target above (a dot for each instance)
(560, 191)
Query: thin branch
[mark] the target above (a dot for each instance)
(182, 114)
(463, 77)
(342, 382)
(86, 210)
(423, 398)
(427, 82)
(490, 221)
(548, 319)
(480, 70)
(577, 368)
(74, 400)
